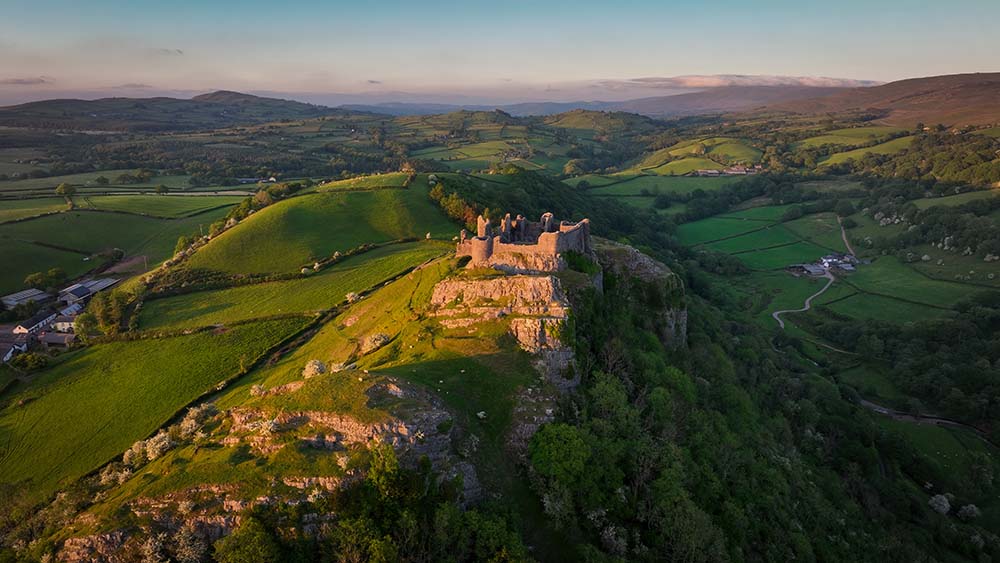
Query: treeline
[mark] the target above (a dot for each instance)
(951, 365)
(937, 155)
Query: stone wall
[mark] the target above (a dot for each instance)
(526, 247)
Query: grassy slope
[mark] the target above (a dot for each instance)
(88, 409)
(155, 205)
(297, 231)
(14, 209)
(890, 147)
(317, 292)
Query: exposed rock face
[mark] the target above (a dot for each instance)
(92, 548)
(536, 305)
(669, 320)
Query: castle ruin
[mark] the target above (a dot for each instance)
(524, 246)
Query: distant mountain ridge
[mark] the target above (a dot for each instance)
(955, 100)
(206, 111)
(720, 99)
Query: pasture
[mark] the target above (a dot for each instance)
(394, 180)
(684, 166)
(715, 228)
(888, 276)
(88, 409)
(820, 228)
(957, 199)
(23, 258)
(882, 308)
(850, 136)
(93, 231)
(653, 185)
(317, 292)
(890, 147)
(166, 206)
(14, 209)
(298, 231)
(769, 236)
(782, 256)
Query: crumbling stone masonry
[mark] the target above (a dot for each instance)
(524, 246)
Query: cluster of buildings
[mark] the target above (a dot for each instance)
(53, 326)
(845, 263)
(737, 170)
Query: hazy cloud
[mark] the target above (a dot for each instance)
(374, 81)
(166, 52)
(721, 80)
(30, 81)
(133, 86)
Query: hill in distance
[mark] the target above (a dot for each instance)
(957, 99)
(714, 100)
(207, 111)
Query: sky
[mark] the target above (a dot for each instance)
(515, 50)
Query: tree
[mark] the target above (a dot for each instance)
(182, 243)
(558, 452)
(65, 189)
(101, 181)
(844, 208)
(250, 543)
(37, 280)
(161, 189)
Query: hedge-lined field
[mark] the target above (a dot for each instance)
(84, 411)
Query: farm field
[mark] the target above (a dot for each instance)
(850, 136)
(769, 213)
(321, 291)
(715, 228)
(889, 147)
(782, 256)
(166, 206)
(888, 276)
(820, 228)
(24, 258)
(90, 408)
(831, 186)
(957, 199)
(769, 236)
(14, 209)
(880, 308)
(872, 383)
(653, 185)
(955, 267)
(291, 233)
(93, 231)
(373, 181)
(684, 166)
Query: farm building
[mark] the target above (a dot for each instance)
(64, 323)
(807, 269)
(78, 293)
(36, 323)
(26, 296)
(56, 339)
(71, 311)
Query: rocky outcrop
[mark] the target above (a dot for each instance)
(535, 307)
(669, 317)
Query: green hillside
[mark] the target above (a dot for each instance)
(296, 232)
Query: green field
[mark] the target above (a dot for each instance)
(880, 308)
(820, 228)
(167, 206)
(770, 213)
(890, 277)
(318, 292)
(872, 383)
(395, 180)
(684, 166)
(23, 258)
(292, 233)
(889, 147)
(769, 236)
(653, 185)
(81, 413)
(958, 199)
(715, 228)
(14, 209)
(851, 136)
(830, 186)
(94, 231)
(782, 256)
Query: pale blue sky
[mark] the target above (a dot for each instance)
(475, 46)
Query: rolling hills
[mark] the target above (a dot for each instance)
(957, 99)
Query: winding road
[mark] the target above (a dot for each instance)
(808, 304)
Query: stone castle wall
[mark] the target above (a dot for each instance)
(526, 247)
